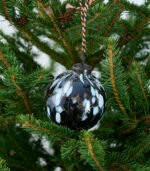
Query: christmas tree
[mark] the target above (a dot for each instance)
(118, 47)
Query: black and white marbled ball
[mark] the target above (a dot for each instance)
(76, 100)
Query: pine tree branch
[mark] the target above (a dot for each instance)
(17, 166)
(6, 12)
(92, 151)
(147, 117)
(38, 80)
(28, 124)
(10, 164)
(113, 80)
(3, 166)
(25, 58)
(21, 148)
(132, 127)
(27, 13)
(20, 93)
(5, 122)
(33, 125)
(140, 82)
(36, 20)
(9, 100)
(88, 22)
(42, 46)
(124, 28)
(4, 60)
(51, 16)
(120, 166)
(113, 22)
(145, 146)
(89, 144)
(129, 8)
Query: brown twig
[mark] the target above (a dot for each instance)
(120, 166)
(140, 81)
(5, 9)
(28, 124)
(21, 93)
(133, 126)
(88, 22)
(113, 22)
(145, 146)
(16, 85)
(113, 79)
(4, 60)
(88, 140)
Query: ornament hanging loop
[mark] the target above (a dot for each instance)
(83, 19)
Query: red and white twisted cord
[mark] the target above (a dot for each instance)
(83, 19)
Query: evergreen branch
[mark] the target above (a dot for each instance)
(38, 80)
(124, 27)
(5, 122)
(88, 22)
(129, 8)
(145, 146)
(21, 93)
(4, 60)
(120, 166)
(139, 86)
(51, 16)
(10, 164)
(133, 126)
(39, 10)
(140, 81)
(139, 28)
(28, 124)
(6, 12)
(54, 55)
(27, 13)
(90, 147)
(16, 85)
(25, 58)
(44, 47)
(117, 160)
(147, 117)
(113, 22)
(17, 166)
(33, 125)
(3, 166)
(3, 98)
(69, 149)
(92, 151)
(113, 80)
(24, 150)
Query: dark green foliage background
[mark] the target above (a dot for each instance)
(117, 47)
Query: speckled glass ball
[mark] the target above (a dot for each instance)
(76, 99)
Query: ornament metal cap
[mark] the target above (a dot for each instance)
(80, 68)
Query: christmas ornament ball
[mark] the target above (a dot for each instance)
(76, 99)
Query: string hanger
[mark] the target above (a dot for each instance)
(83, 19)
